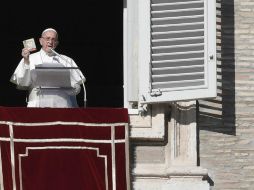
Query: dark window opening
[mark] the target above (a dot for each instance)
(91, 33)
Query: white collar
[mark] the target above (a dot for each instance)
(44, 53)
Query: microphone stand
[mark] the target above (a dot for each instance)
(76, 72)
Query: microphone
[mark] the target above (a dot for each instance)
(63, 58)
(55, 52)
(60, 56)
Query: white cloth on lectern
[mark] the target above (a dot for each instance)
(47, 98)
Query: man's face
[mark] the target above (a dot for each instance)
(49, 41)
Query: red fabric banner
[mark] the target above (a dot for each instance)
(59, 148)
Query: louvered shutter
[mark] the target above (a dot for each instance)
(182, 50)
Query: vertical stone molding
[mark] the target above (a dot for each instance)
(183, 131)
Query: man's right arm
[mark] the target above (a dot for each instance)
(21, 77)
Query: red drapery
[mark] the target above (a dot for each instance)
(61, 148)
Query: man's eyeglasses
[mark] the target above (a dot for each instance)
(48, 39)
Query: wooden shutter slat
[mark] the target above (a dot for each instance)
(178, 77)
(180, 71)
(172, 49)
(177, 20)
(179, 41)
(178, 85)
(178, 27)
(172, 1)
(174, 6)
(185, 34)
(178, 63)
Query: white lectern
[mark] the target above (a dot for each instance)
(53, 83)
(52, 75)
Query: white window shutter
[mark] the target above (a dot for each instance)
(177, 50)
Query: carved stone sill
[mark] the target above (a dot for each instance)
(150, 126)
(162, 171)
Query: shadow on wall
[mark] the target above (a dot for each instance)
(218, 114)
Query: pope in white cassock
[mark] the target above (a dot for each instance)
(22, 76)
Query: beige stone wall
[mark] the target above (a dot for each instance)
(226, 124)
(168, 161)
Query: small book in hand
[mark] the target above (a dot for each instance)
(29, 44)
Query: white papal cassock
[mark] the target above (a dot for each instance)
(48, 98)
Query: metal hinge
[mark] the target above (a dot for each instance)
(156, 92)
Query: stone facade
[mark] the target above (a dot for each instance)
(226, 131)
(216, 151)
(168, 161)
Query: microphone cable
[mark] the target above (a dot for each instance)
(83, 84)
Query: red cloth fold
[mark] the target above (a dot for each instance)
(64, 156)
